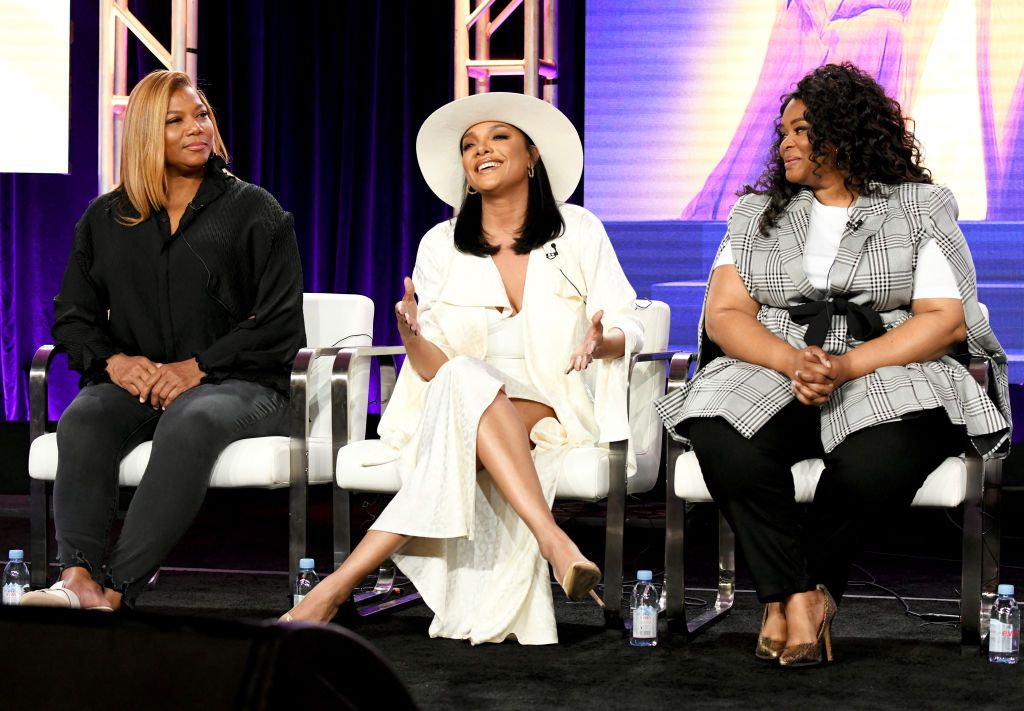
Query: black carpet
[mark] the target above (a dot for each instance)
(884, 659)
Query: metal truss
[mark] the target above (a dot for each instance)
(534, 68)
(115, 22)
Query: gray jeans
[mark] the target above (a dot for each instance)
(103, 424)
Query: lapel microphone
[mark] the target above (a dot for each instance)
(854, 225)
(553, 253)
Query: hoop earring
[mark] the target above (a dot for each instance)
(470, 190)
(529, 171)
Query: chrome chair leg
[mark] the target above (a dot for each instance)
(971, 560)
(726, 583)
(342, 524)
(40, 533)
(615, 528)
(990, 539)
(674, 588)
(385, 595)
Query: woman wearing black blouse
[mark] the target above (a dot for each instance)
(181, 307)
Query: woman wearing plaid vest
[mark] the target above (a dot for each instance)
(841, 286)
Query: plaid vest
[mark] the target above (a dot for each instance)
(873, 269)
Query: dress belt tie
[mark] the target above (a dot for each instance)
(862, 323)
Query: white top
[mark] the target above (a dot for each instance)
(568, 281)
(505, 335)
(933, 277)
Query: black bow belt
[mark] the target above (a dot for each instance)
(862, 322)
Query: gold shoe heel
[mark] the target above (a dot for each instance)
(767, 648)
(810, 654)
(580, 580)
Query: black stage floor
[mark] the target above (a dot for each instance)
(230, 566)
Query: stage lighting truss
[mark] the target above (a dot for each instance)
(534, 68)
(115, 22)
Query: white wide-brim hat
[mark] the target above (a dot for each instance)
(438, 144)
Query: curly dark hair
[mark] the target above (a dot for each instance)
(849, 113)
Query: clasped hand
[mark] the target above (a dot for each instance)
(159, 383)
(815, 374)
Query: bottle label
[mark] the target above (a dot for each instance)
(1001, 637)
(645, 622)
(13, 593)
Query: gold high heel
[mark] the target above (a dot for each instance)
(809, 654)
(580, 580)
(768, 648)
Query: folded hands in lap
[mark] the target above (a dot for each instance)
(158, 383)
(815, 374)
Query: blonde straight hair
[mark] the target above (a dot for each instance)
(143, 171)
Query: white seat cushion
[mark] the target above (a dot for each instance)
(945, 487)
(260, 462)
(370, 467)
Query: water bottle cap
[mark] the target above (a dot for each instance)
(1004, 588)
(16, 554)
(644, 576)
(305, 564)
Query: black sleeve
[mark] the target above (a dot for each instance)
(81, 309)
(273, 331)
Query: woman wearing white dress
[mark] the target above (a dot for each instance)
(517, 352)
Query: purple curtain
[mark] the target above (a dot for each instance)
(318, 102)
(37, 219)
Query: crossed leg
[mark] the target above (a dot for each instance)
(503, 448)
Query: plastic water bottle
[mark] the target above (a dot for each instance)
(1004, 628)
(644, 606)
(306, 581)
(16, 582)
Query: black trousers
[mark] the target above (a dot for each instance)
(870, 477)
(103, 424)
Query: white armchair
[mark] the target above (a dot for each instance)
(968, 480)
(304, 457)
(588, 474)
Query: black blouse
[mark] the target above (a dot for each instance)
(225, 288)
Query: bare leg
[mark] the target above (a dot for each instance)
(322, 603)
(503, 447)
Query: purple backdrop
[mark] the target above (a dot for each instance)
(319, 107)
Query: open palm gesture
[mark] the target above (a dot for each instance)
(407, 312)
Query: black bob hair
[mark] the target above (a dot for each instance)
(851, 118)
(543, 219)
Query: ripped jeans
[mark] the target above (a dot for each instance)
(103, 424)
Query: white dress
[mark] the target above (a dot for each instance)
(474, 561)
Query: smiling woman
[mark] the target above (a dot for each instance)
(503, 166)
(188, 133)
(181, 307)
(517, 296)
(169, 132)
(841, 286)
